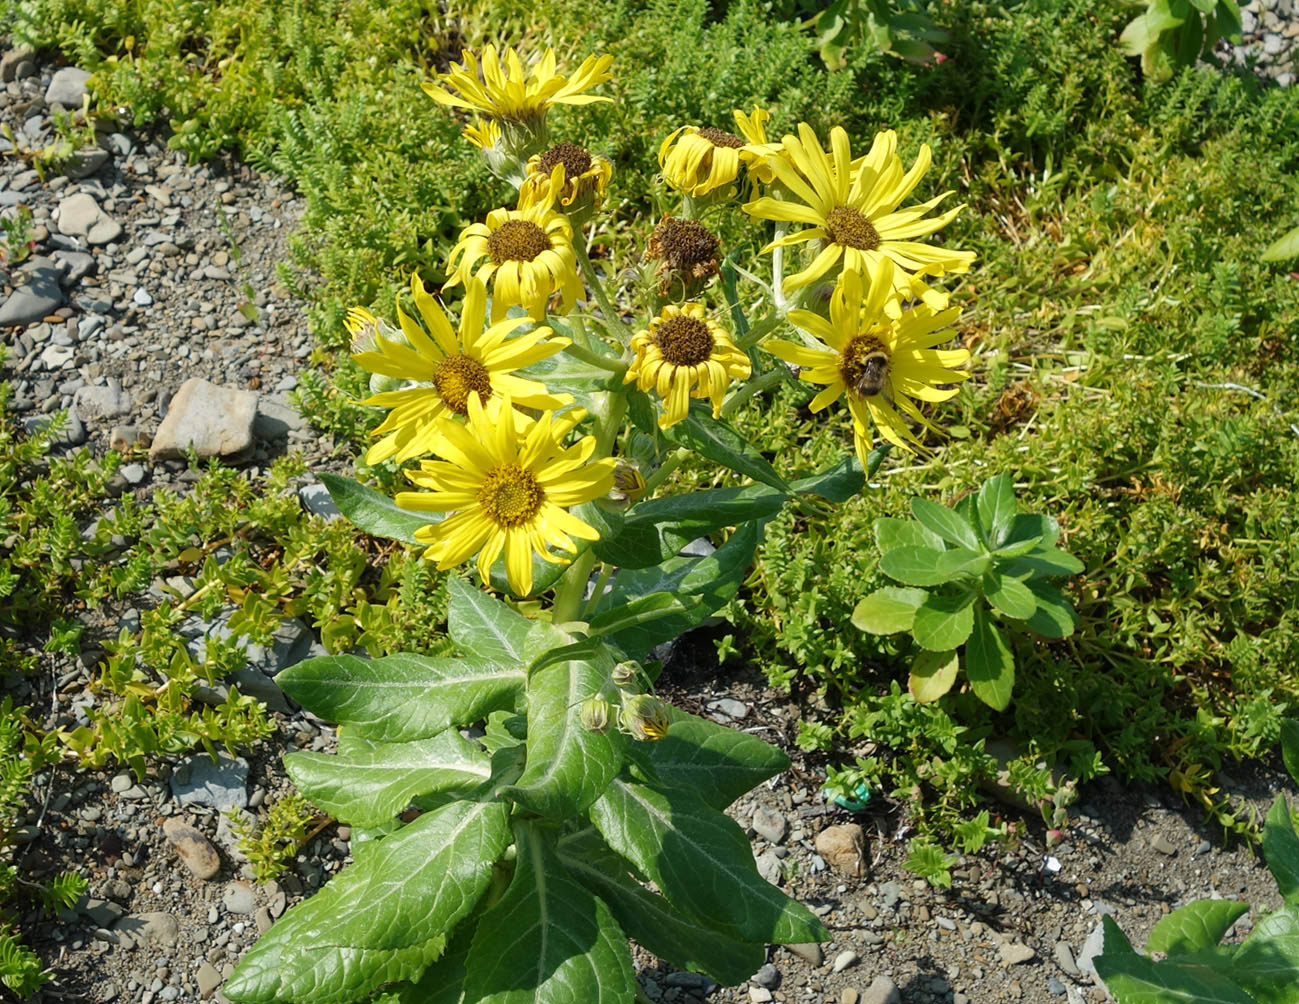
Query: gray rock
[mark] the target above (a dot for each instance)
(769, 867)
(132, 474)
(75, 265)
(40, 295)
(9, 63)
(1064, 959)
(1014, 953)
(1163, 845)
(260, 686)
(120, 783)
(1092, 947)
(122, 437)
(691, 981)
(95, 404)
(729, 707)
(80, 216)
(882, 991)
(810, 952)
(768, 976)
(142, 298)
(155, 928)
(208, 980)
(56, 357)
(102, 912)
(85, 162)
(220, 784)
(291, 642)
(770, 826)
(843, 960)
(890, 892)
(277, 417)
(237, 897)
(70, 431)
(315, 498)
(216, 421)
(67, 87)
(194, 849)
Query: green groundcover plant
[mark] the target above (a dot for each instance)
(508, 803)
(1263, 969)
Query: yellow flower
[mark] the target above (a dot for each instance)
(511, 93)
(484, 134)
(880, 361)
(569, 175)
(446, 369)
(699, 160)
(682, 355)
(528, 255)
(508, 491)
(851, 209)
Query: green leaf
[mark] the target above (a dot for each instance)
(1009, 596)
(1290, 747)
(714, 440)
(892, 533)
(1055, 616)
(946, 523)
(888, 610)
(1049, 563)
(1018, 548)
(996, 507)
(373, 782)
(1267, 964)
(958, 561)
(639, 625)
(716, 763)
(443, 981)
(932, 675)
(1205, 6)
(915, 566)
(1281, 850)
(1143, 32)
(651, 920)
(944, 620)
(483, 626)
(568, 764)
(1195, 927)
(548, 940)
(382, 919)
(989, 664)
(1028, 526)
(840, 482)
(701, 862)
(402, 697)
(1284, 247)
(1192, 979)
(375, 513)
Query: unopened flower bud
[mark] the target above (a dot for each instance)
(625, 674)
(594, 714)
(628, 484)
(644, 718)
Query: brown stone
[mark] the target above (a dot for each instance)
(195, 850)
(844, 849)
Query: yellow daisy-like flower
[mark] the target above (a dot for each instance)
(446, 369)
(508, 491)
(567, 174)
(484, 134)
(852, 210)
(509, 92)
(526, 253)
(682, 355)
(699, 160)
(880, 361)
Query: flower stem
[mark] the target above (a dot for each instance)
(568, 594)
(595, 359)
(778, 274)
(670, 464)
(755, 386)
(611, 316)
(606, 570)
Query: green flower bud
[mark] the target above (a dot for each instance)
(594, 714)
(644, 718)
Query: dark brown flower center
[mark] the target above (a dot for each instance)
(517, 240)
(684, 340)
(864, 365)
(576, 160)
(457, 377)
(510, 496)
(720, 137)
(684, 245)
(851, 229)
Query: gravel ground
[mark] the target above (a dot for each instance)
(1269, 40)
(135, 284)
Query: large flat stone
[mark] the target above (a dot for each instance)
(39, 296)
(216, 421)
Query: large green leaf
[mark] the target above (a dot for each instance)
(383, 918)
(914, 566)
(949, 525)
(1044, 562)
(838, 483)
(891, 532)
(1281, 850)
(989, 664)
(932, 675)
(888, 610)
(1029, 526)
(640, 624)
(701, 862)
(443, 981)
(1290, 747)
(1134, 979)
(1195, 927)
(402, 697)
(1009, 596)
(996, 508)
(548, 940)
(375, 513)
(651, 920)
(944, 620)
(1267, 964)
(716, 763)
(373, 782)
(483, 626)
(714, 440)
(1055, 616)
(568, 764)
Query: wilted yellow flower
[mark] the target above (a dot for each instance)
(684, 354)
(698, 160)
(880, 361)
(851, 209)
(444, 368)
(526, 253)
(569, 176)
(508, 491)
(687, 253)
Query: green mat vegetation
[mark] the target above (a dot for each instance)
(1132, 364)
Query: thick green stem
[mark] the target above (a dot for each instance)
(595, 359)
(754, 386)
(605, 571)
(612, 319)
(778, 274)
(580, 337)
(670, 464)
(568, 594)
